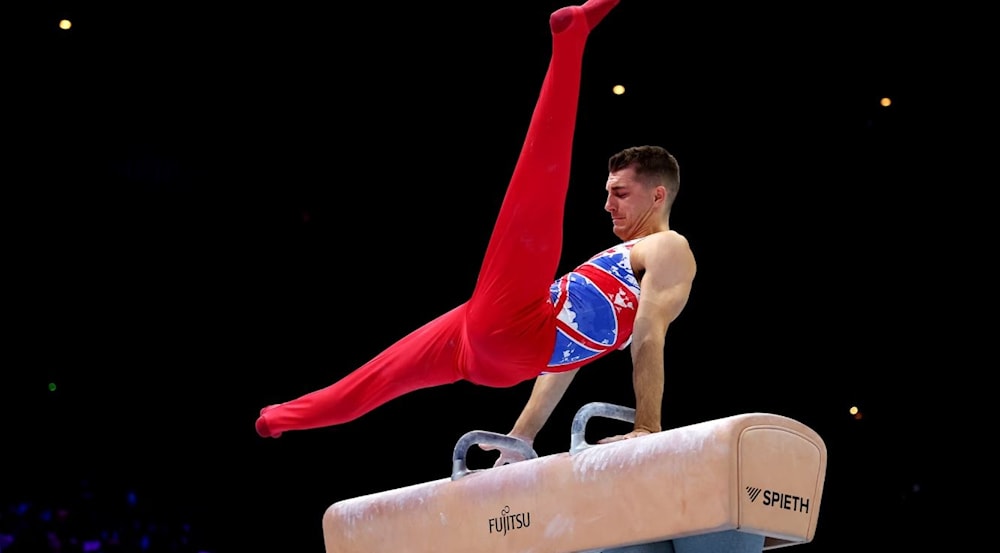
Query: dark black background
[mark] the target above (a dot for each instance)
(215, 209)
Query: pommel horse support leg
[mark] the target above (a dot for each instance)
(757, 473)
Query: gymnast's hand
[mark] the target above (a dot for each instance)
(507, 456)
(629, 436)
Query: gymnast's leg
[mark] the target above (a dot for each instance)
(528, 232)
(509, 319)
(429, 356)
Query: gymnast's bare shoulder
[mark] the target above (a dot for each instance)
(667, 254)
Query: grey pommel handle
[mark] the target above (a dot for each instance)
(578, 438)
(459, 467)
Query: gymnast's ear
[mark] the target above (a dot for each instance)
(660, 193)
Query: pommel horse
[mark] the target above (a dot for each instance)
(754, 473)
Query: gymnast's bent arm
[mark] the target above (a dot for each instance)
(668, 267)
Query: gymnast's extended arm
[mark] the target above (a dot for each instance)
(545, 395)
(668, 272)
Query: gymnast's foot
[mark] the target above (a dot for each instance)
(262, 427)
(593, 10)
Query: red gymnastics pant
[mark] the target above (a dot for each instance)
(505, 332)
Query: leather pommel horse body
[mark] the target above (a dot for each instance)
(759, 473)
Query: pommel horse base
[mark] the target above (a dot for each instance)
(757, 473)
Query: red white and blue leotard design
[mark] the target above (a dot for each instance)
(595, 305)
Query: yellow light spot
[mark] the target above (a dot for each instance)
(618, 89)
(886, 102)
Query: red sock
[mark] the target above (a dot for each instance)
(594, 10)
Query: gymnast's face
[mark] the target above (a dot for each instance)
(634, 207)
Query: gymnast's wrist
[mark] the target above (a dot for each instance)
(523, 437)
